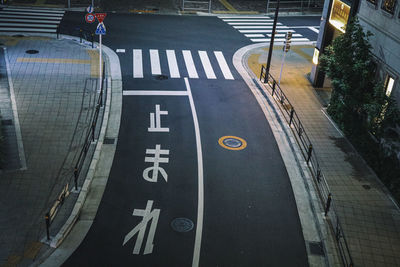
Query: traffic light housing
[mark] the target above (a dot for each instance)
(288, 40)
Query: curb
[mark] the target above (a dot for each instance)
(114, 76)
(314, 229)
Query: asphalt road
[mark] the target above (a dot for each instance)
(239, 200)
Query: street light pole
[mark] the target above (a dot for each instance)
(271, 44)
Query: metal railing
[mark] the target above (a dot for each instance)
(199, 5)
(78, 167)
(311, 158)
(302, 5)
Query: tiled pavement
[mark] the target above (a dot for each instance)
(54, 91)
(370, 219)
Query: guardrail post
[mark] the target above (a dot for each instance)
(300, 131)
(309, 153)
(262, 68)
(93, 127)
(273, 87)
(291, 116)
(319, 175)
(80, 35)
(47, 218)
(266, 78)
(328, 204)
(92, 39)
(76, 178)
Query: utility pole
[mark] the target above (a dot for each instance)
(271, 44)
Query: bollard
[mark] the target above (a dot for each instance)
(319, 175)
(309, 153)
(273, 87)
(80, 35)
(76, 178)
(47, 218)
(58, 31)
(291, 116)
(92, 39)
(328, 204)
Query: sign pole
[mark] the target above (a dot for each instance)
(100, 63)
(283, 62)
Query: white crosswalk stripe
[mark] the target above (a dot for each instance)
(20, 19)
(259, 29)
(160, 60)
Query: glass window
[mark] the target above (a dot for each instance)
(389, 5)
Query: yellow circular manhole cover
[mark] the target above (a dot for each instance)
(232, 142)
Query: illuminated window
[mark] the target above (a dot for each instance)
(389, 85)
(375, 2)
(389, 5)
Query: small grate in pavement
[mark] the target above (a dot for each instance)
(109, 141)
(161, 77)
(32, 51)
(6, 122)
(18, 35)
(182, 225)
(316, 248)
(366, 187)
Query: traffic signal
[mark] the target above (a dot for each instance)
(288, 40)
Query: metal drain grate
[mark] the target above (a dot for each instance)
(161, 77)
(32, 51)
(316, 248)
(109, 141)
(6, 122)
(182, 225)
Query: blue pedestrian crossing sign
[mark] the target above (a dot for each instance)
(101, 29)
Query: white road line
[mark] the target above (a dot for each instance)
(155, 62)
(250, 23)
(207, 65)
(172, 64)
(191, 68)
(254, 35)
(200, 194)
(27, 25)
(27, 30)
(30, 13)
(29, 17)
(283, 35)
(243, 17)
(259, 27)
(265, 31)
(120, 50)
(137, 63)
(281, 40)
(29, 20)
(314, 29)
(249, 20)
(223, 65)
(150, 93)
(34, 10)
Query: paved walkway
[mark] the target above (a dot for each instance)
(55, 91)
(370, 218)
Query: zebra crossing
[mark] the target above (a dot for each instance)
(259, 29)
(197, 65)
(33, 20)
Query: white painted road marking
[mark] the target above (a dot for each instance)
(248, 20)
(137, 63)
(223, 65)
(155, 120)
(200, 205)
(265, 31)
(155, 62)
(122, 51)
(314, 29)
(172, 64)
(254, 35)
(191, 68)
(152, 93)
(147, 215)
(157, 159)
(207, 65)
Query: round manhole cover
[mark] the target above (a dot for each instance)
(232, 142)
(182, 225)
(31, 51)
(161, 77)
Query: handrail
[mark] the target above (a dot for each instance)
(311, 158)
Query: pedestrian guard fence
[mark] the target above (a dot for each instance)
(272, 87)
(193, 5)
(296, 5)
(80, 168)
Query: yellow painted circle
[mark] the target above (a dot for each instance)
(232, 142)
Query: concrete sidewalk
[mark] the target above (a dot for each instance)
(369, 216)
(50, 93)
